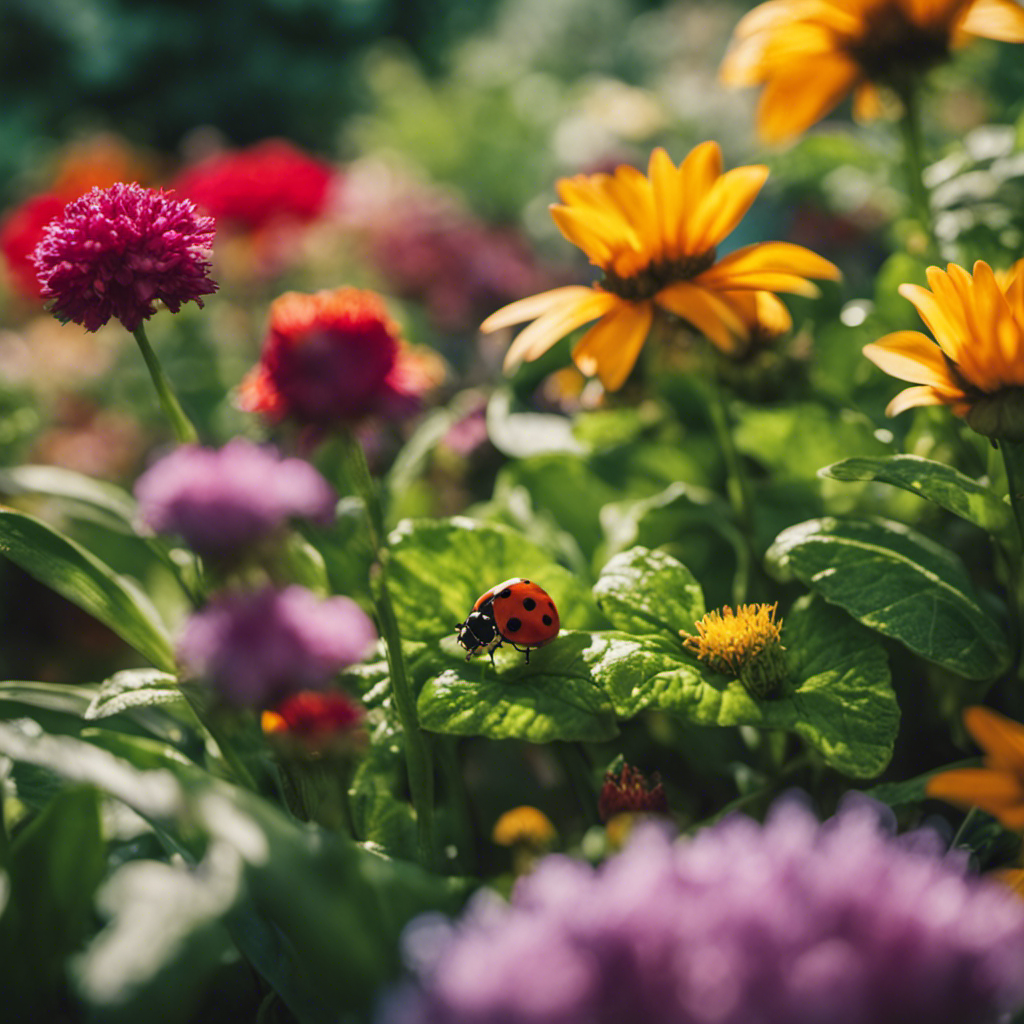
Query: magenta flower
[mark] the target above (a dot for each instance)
(790, 922)
(224, 501)
(255, 648)
(115, 251)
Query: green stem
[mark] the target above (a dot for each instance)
(737, 487)
(913, 161)
(181, 425)
(418, 755)
(964, 825)
(1013, 459)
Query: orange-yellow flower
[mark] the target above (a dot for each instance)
(977, 365)
(654, 237)
(809, 54)
(998, 788)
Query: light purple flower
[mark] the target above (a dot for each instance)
(223, 501)
(114, 251)
(254, 648)
(792, 922)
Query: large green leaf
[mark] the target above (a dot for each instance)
(437, 568)
(104, 502)
(839, 698)
(554, 697)
(66, 567)
(133, 688)
(55, 864)
(645, 591)
(520, 432)
(942, 484)
(899, 583)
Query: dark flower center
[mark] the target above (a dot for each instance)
(893, 47)
(655, 276)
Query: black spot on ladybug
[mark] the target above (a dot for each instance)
(507, 592)
(551, 605)
(513, 625)
(547, 620)
(529, 604)
(526, 581)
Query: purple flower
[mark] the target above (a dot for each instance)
(224, 501)
(255, 648)
(790, 922)
(114, 251)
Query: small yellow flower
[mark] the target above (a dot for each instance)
(654, 237)
(809, 54)
(976, 363)
(998, 788)
(524, 826)
(745, 644)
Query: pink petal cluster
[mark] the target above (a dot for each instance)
(114, 252)
(224, 501)
(254, 648)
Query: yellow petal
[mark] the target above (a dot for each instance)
(556, 323)
(794, 100)
(713, 317)
(668, 201)
(724, 205)
(599, 235)
(1006, 340)
(773, 257)
(698, 173)
(610, 348)
(999, 793)
(910, 356)
(995, 19)
(946, 325)
(867, 103)
(909, 398)
(1000, 737)
(521, 310)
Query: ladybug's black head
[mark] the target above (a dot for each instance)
(479, 630)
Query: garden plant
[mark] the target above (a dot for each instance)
(530, 569)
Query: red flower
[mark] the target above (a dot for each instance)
(316, 722)
(334, 357)
(251, 188)
(114, 252)
(21, 231)
(628, 792)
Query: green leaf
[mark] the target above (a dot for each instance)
(644, 591)
(942, 484)
(55, 864)
(72, 571)
(519, 432)
(59, 697)
(105, 503)
(554, 697)
(840, 699)
(305, 564)
(133, 688)
(378, 815)
(913, 791)
(899, 583)
(796, 440)
(437, 568)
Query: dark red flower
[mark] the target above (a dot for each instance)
(21, 230)
(316, 722)
(114, 252)
(251, 188)
(334, 357)
(628, 792)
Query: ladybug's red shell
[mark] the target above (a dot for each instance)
(523, 612)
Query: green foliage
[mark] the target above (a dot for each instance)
(899, 583)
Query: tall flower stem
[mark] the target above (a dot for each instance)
(184, 431)
(418, 755)
(737, 485)
(913, 161)
(1013, 459)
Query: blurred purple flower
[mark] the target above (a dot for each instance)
(792, 922)
(255, 648)
(223, 501)
(114, 251)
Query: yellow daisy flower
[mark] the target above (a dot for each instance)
(977, 366)
(998, 788)
(809, 54)
(654, 237)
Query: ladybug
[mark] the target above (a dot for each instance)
(517, 612)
